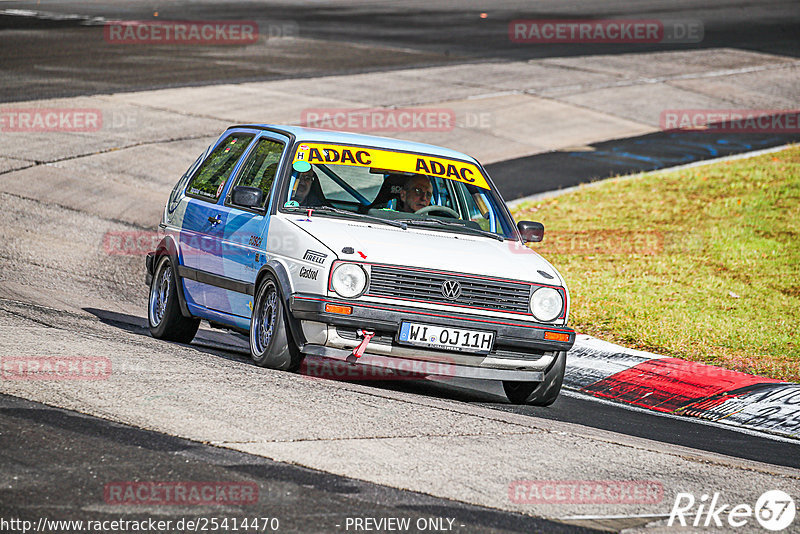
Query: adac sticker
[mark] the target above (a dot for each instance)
(451, 169)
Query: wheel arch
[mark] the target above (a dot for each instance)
(281, 275)
(167, 247)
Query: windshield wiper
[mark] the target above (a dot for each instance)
(331, 209)
(427, 222)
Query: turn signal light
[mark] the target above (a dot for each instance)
(556, 336)
(336, 308)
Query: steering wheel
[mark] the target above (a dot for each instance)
(440, 209)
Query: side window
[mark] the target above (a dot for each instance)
(215, 170)
(443, 193)
(260, 167)
(175, 196)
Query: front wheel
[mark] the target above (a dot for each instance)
(271, 343)
(542, 393)
(163, 310)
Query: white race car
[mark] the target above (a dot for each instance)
(374, 251)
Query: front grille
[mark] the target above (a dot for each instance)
(412, 284)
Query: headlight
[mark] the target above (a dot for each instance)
(349, 280)
(546, 304)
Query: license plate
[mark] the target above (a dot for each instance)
(446, 338)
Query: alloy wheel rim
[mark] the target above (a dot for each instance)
(159, 295)
(265, 319)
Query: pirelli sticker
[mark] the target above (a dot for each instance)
(451, 169)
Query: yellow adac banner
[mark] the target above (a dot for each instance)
(316, 153)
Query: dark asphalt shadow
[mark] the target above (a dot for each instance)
(222, 343)
(65, 462)
(551, 171)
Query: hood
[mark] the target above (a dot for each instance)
(430, 249)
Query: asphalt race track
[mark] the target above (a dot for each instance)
(111, 450)
(324, 452)
(340, 37)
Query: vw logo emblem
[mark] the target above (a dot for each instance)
(451, 289)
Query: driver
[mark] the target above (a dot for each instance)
(416, 194)
(308, 192)
(303, 188)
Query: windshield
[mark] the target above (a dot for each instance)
(419, 190)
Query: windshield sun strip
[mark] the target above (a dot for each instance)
(480, 171)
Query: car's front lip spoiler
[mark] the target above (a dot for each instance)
(374, 316)
(409, 368)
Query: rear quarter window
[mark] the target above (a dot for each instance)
(210, 178)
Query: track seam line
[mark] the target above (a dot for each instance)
(74, 210)
(39, 163)
(369, 438)
(77, 275)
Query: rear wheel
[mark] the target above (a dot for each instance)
(271, 343)
(163, 310)
(542, 393)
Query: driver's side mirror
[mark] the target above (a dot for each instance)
(531, 231)
(247, 197)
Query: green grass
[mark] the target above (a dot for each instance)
(701, 264)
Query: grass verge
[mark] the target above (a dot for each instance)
(701, 264)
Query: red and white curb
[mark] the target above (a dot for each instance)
(681, 387)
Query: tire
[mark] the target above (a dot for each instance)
(271, 342)
(163, 309)
(542, 393)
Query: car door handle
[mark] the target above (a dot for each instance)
(214, 220)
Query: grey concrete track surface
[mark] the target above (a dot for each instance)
(66, 199)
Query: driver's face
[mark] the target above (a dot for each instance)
(304, 181)
(417, 195)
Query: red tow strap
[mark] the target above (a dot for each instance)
(359, 350)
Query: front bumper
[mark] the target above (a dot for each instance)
(413, 368)
(512, 339)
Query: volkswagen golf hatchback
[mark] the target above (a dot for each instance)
(373, 251)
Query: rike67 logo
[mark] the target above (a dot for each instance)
(774, 510)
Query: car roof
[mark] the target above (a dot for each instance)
(332, 136)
